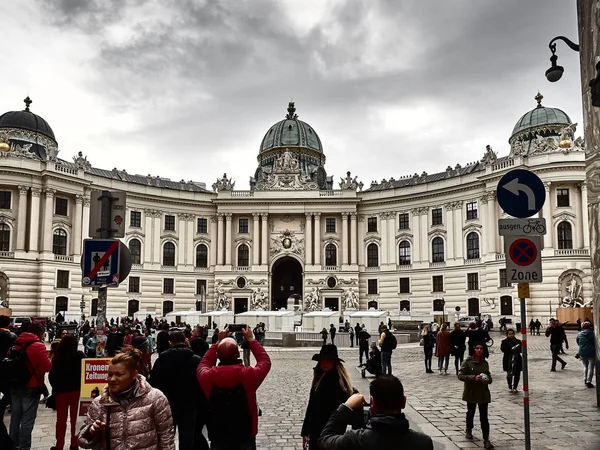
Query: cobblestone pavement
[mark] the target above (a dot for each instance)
(563, 411)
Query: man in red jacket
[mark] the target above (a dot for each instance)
(229, 386)
(25, 399)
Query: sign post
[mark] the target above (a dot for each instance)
(524, 288)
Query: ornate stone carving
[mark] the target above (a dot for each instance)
(287, 218)
(350, 282)
(312, 300)
(420, 211)
(286, 176)
(259, 300)
(23, 190)
(223, 184)
(35, 192)
(187, 217)
(51, 153)
(543, 144)
(573, 290)
(221, 297)
(579, 145)
(489, 157)
(350, 299)
(5, 219)
(49, 193)
(287, 242)
(86, 201)
(350, 183)
(516, 148)
(152, 213)
(19, 151)
(81, 162)
(79, 199)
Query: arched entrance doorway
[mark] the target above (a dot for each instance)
(286, 280)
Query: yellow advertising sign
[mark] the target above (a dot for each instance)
(94, 376)
(523, 290)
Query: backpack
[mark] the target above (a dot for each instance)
(228, 402)
(14, 369)
(390, 335)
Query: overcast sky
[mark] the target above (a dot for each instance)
(187, 89)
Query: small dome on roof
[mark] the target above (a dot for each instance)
(26, 120)
(291, 132)
(540, 116)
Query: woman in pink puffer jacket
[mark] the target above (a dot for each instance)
(130, 413)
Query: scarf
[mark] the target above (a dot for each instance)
(124, 397)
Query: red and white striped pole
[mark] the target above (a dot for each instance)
(523, 288)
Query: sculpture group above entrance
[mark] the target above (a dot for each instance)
(286, 176)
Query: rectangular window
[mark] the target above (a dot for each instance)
(61, 206)
(438, 283)
(473, 281)
(243, 226)
(169, 286)
(562, 197)
(134, 284)
(436, 216)
(371, 286)
(372, 224)
(471, 210)
(5, 199)
(330, 225)
(503, 282)
(405, 285)
(135, 219)
(169, 223)
(199, 285)
(202, 225)
(62, 279)
(403, 221)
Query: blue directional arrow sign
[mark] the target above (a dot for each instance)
(521, 193)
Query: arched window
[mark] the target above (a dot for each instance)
(4, 238)
(94, 309)
(135, 248)
(404, 252)
(167, 307)
(59, 242)
(437, 249)
(243, 256)
(404, 305)
(62, 305)
(472, 245)
(169, 254)
(506, 305)
(202, 256)
(330, 255)
(133, 306)
(372, 255)
(473, 307)
(565, 236)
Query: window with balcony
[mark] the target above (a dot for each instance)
(243, 256)
(436, 216)
(437, 283)
(168, 285)
(330, 255)
(134, 284)
(473, 281)
(59, 242)
(5, 199)
(404, 253)
(372, 224)
(202, 225)
(565, 236)
(471, 210)
(372, 286)
(135, 219)
(372, 255)
(404, 284)
(4, 238)
(472, 245)
(330, 225)
(135, 248)
(403, 221)
(437, 250)
(562, 197)
(202, 255)
(61, 206)
(243, 226)
(62, 279)
(169, 222)
(169, 254)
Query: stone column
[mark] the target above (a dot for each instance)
(353, 239)
(584, 215)
(547, 214)
(48, 214)
(77, 218)
(392, 237)
(451, 241)
(228, 238)
(156, 243)
(148, 255)
(214, 239)
(220, 239)
(416, 230)
(183, 241)
(255, 239)
(492, 223)
(345, 252)
(308, 239)
(485, 226)
(85, 223)
(360, 240)
(458, 224)
(317, 239)
(383, 257)
(424, 234)
(34, 227)
(22, 223)
(264, 227)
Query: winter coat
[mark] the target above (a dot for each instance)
(457, 341)
(363, 339)
(230, 375)
(477, 336)
(65, 375)
(428, 341)
(323, 400)
(162, 341)
(382, 432)
(512, 361)
(586, 342)
(174, 373)
(145, 424)
(37, 356)
(7, 340)
(444, 345)
(199, 346)
(475, 391)
(557, 335)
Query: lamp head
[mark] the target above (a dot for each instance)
(555, 72)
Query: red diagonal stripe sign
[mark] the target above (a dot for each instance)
(104, 258)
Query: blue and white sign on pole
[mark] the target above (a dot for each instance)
(100, 263)
(521, 193)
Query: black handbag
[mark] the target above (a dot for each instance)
(51, 402)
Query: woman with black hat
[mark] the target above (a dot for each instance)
(330, 387)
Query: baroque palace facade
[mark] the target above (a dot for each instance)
(419, 245)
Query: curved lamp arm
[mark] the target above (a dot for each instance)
(572, 45)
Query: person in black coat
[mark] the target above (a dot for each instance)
(477, 335)
(330, 387)
(512, 362)
(162, 339)
(65, 379)
(428, 344)
(198, 344)
(174, 373)
(458, 346)
(114, 341)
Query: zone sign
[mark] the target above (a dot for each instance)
(523, 259)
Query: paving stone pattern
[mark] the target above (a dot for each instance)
(563, 410)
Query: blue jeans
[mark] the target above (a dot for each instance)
(588, 368)
(24, 406)
(386, 363)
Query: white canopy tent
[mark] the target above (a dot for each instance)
(273, 320)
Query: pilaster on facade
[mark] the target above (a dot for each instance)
(547, 214)
(22, 218)
(228, 238)
(264, 240)
(344, 252)
(317, 237)
(48, 216)
(308, 239)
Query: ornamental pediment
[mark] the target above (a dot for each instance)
(564, 215)
(135, 233)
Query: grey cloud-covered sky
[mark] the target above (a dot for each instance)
(186, 89)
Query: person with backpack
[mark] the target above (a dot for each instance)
(7, 340)
(388, 343)
(363, 337)
(23, 370)
(65, 379)
(231, 389)
(174, 373)
(587, 352)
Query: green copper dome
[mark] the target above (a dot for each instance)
(541, 116)
(291, 132)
